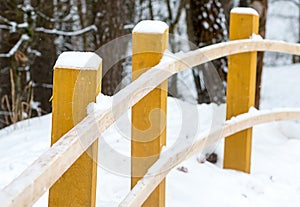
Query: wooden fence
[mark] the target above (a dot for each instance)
(69, 168)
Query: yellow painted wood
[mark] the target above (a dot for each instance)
(73, 90)
(149, 114)
(35, 180)
(164, 165)
(241, 81)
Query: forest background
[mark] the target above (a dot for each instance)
(34, 32)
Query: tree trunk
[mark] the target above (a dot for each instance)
(6, 44)
(173, 21)
(111, 26)
(244, 3)
(14, 69)
(296, 58)
(207, 25)
(261, 7)
(42, 65)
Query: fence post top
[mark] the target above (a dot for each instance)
(244, 10)
(150, 26)
(78, 60)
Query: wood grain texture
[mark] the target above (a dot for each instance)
(164, 165)
(240, 96)
(27, 188)
(73, 90)
(149, 115)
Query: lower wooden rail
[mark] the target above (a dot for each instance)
(27, 188)
(167, 162)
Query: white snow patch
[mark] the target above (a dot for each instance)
(103, 102)
(78, 60)
(278, 88)
(167, 57)
(14, 49)
(242, 10)
(150, 26)
(274, 179)
(205, 24)
(256, 37)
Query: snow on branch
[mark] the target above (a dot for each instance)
(4, 27)
(3, 19)
(34, 52)
(66, 18)
(12, 51)
(11, 25)
(66, 33)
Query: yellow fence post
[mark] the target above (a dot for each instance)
(149, 41)
(76, 83)
(241, 81)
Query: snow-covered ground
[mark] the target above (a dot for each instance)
(282, 16)
(274, 178)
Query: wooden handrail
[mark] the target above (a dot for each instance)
(49, 167)
(167, 162)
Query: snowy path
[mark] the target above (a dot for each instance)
(274, 181)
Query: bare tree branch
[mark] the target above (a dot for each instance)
(11, 25)
(174, 22)
(151, 9)
(5, 27)
(4, 20)
(169, 10)
(182, 3)
(66, 33)
(44, 16)
(12, 51)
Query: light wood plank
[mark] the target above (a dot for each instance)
(27, 188)
(167, 162)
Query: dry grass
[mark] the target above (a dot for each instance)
(19, 107)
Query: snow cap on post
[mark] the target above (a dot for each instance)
(241, 80)
(149, 42)
(76, 83)
(145, 35)
(244, 10)
(78, 60)
(150, 26)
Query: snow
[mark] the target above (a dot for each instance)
(242, 10)
(205, 24)
(78, 60)
(274, 178)
(287, 87)
(103, 102)
(12, 51)
(150, 26)
(21, 144)
(282, 16)
(285, 90)
(256, 37)
(67, 33)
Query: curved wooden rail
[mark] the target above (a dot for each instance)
(49, 167)
(165, 164)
